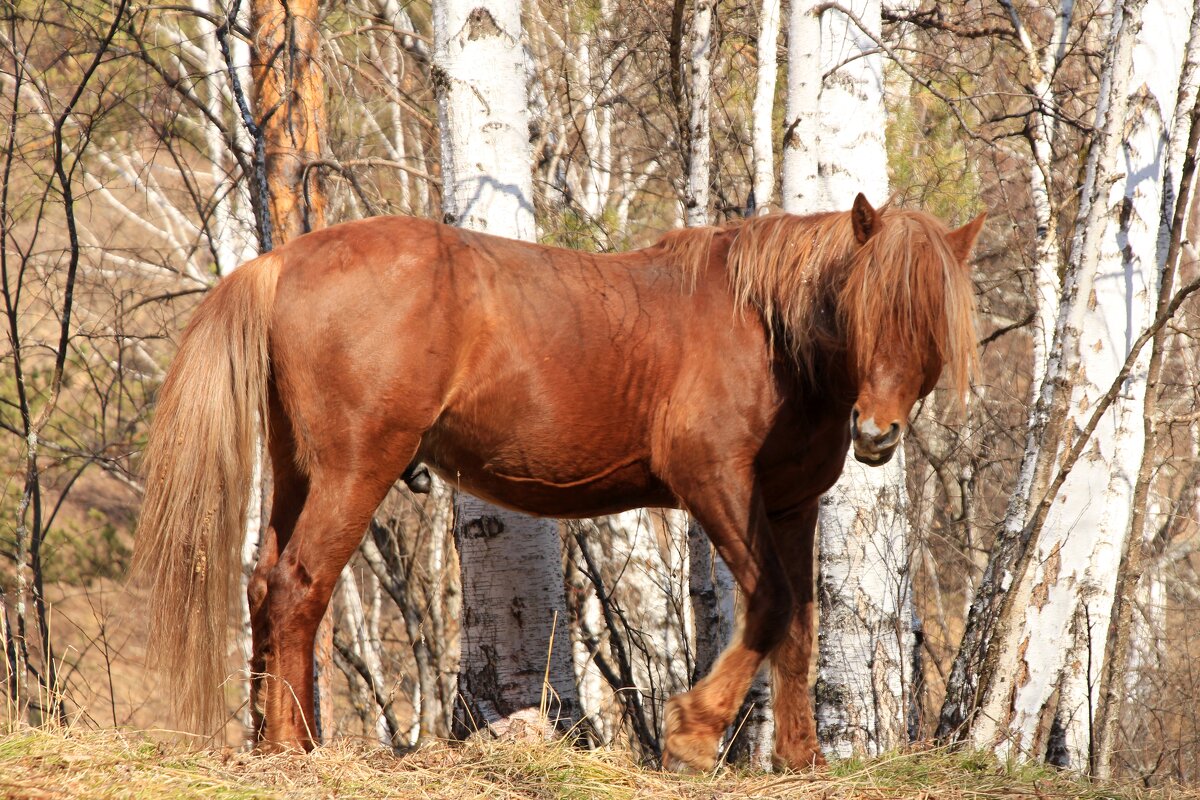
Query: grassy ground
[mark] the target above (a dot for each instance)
(38, 763)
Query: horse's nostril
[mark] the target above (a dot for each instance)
(890, 437)
(854, 424)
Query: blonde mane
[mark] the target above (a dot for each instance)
(817, 287)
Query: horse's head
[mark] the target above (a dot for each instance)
(908, 309)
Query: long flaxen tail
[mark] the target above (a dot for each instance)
(198, 466)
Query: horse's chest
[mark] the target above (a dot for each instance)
(803, 462)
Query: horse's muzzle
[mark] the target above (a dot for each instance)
(874, 457)
(871, 445)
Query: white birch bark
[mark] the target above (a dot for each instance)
(1067, 595)
(480, 78)
(1148, 626)
(798, 189)
(1045, 271)
(833, 149)
(853, 155)
(250, 545)
(764, 106)
(713, 599)
(232, 234)
(696, 199)
(514, 622)
(754, 730)
(984, 602)
(1189, 84)
(1042, 134)
(865, 634)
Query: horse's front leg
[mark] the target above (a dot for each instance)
(737, 524)
(796, 743)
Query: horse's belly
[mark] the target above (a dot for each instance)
(619, 487)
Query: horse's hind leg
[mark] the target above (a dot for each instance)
(290, 488)
(736, 521)
(336, 512)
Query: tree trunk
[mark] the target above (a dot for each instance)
(290, 101)
(514, 621)
(696, 200)
(834, 148)
(798, 180)
(1051, 633)
(864, 661)
(764, 106)
(713, 596)
(964, 681)
(1124, 652)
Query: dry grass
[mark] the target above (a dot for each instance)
(41, 763)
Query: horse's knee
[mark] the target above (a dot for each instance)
(256, 590)
(767, 624)
(290, 588)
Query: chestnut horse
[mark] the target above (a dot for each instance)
(725, 371)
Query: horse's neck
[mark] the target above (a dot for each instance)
(827, 386)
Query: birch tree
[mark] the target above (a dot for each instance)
(834, 148)
(764, 105)
(514, 620)
(1134, 644)
(711, 585)
(696, 198)
(1065, 593)
(1041, 132)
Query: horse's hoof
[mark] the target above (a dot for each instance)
(800, 759)
(689, 747)
(688, 755)
(267, 747)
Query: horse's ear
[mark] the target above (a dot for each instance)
(963, 239)
(865, 219)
